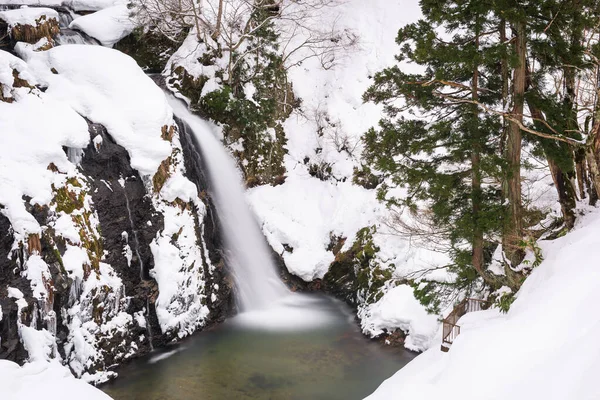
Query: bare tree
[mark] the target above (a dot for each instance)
(228, 26)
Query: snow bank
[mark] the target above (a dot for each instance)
(27, 15)
(546, 347)
(304, 212)
(41, 380)
(25, 154)
(107, 87)
(76, 5)
(108, 26)
(91, 5)
(398, 308)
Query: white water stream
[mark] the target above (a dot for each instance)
(262, 297)
(257, 282)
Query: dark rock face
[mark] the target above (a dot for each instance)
(118, 192)
(151, 50)
(341, 279)
(11, 347)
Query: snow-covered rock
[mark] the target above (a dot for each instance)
(27, 15)
(59, 188)
(108, 25)
(109, 88)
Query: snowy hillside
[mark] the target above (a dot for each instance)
(305, 212)
(545, 347)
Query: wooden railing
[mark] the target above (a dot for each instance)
(451, 330)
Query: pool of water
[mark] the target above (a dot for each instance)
(329, 360)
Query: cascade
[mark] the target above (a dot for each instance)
(71, 36)
(148, 324)
(257, 282)
(136, 242)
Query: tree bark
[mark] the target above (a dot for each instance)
(513, 231)
(217, 31)
(564, 186)
(505, 89)
(593, 157)
(477, 256)
(581, 171)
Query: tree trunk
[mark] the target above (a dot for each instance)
(566, 193)
(477, 257)
(513, 231)
(593, 158)
(217, 32)
(564, 186)
(505, 89)
(580, 169)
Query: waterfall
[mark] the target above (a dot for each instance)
(257, 282)
(136, 242)
(148, 324)
(71, 36)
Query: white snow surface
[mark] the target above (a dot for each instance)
(545, 347)
(76, 5)
(108, 25)
(109, 88)
(27, 15)
(43, 380)
(25, 153)
(398, 308)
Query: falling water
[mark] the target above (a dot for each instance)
(148, 325)
(71, 36)
(258, 285)
(136, 242)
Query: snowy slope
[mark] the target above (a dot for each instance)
(50, 381)
(546, 347)
(305, 212)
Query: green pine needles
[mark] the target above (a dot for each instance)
(467, 76)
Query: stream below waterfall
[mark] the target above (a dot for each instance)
(235, 361)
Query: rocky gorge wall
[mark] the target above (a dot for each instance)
(128, 327)
(114, 259)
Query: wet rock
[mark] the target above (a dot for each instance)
(118, 193)
(11, 347)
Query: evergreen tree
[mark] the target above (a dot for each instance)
(453, 133)
(445, 153)
(558, 51)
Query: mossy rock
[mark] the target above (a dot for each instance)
(163, 173)
(67, 200)
(354, 275)
(150, 50)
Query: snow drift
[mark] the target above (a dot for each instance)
(545, 347)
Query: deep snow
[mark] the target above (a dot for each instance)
(545, 347)
(43, 380)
